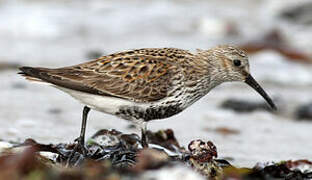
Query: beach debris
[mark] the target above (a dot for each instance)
(113, 155)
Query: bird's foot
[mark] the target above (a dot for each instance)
(79, 148)
(144, 145)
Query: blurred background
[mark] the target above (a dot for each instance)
(276, 34)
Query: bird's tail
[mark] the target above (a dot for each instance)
(32, 73)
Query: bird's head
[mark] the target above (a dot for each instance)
(234, 65)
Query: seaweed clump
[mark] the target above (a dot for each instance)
(113, 155)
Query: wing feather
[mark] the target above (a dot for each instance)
(139, 75)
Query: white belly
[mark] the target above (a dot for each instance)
(100, 103)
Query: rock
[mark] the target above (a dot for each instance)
(300, 14)
(202, 156)
(55, 111)
(304, 112)
(150, 159)
(303, 165)
(131, 126)
(164, 138)
(202, 151)
(244, 106)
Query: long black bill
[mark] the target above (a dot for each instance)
(253, 83)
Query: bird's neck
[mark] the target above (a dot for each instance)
(198, 85)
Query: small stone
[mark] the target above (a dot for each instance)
(244, 106)
(201, 151)
(105, 138)
(300, 14)
(202, 159)
(150, 159)
(164, 138)
(304, 112)
(131, 126)
(55, 111)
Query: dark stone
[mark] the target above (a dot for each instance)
(55, 111)
(131, 126)
(304, 112)
(164, 138)
(244, 106)
(301, 13)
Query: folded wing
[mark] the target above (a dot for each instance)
(137, 77)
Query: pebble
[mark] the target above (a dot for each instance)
(304, 112)
(244, 106)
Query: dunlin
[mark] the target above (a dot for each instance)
(147, 84)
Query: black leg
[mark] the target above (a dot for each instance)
(81, 139)
(143, 136)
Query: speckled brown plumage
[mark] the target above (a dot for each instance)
(140, 75)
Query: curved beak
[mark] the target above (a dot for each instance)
(253, 83)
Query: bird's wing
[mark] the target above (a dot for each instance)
(140, 75)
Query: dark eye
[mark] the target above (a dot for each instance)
(237, 62)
